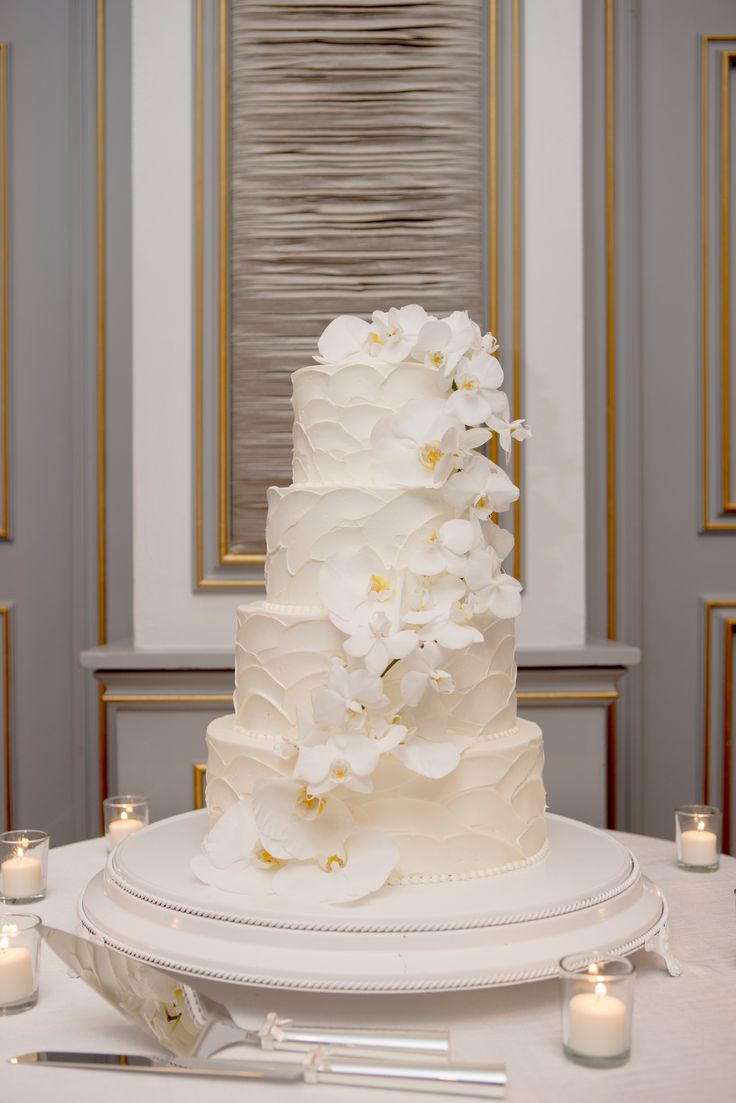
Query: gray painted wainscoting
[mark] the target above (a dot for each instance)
(48, 567)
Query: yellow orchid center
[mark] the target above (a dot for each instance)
(481, 503)
(374, 339)
(396, 718)
(431, 454)
(380, 584)
(313, 806)
(267, 858)
(437, 359)
(468, 383)
(334, 862)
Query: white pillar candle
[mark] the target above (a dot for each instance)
(122, 828)
(699, 847)
(16, 973)
(597, 1024)
(22, 876)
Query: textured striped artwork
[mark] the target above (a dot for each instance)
(355, 184)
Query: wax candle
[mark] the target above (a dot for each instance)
(699, 847)
(16, 973)
(597, 1024)
(122, 828)
(22, 876)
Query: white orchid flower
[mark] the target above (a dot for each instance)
(233, 856)
(491, 589)
(440, 347)
(361, 866)
(343, 339)
(386, 731)
(489, 344)
(430, 750)
(354, 586)
(445, 549)
(393, 333)
(456, 632)
(429, 599)
(380, 642)
(481, 487)
(425, 672)
(500, 422)
(343, 759)
(478, 395)
(343, 702)
(423, 444)
(293, 823)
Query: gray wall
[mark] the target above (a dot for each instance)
(48, 568)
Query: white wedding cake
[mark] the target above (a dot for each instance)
(375, 738)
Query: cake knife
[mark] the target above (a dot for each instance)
(190, 1024)
(483, 1081)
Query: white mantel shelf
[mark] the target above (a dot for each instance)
(126, 656)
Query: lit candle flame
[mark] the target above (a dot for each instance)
(123, 815)
(600, 989)
(701, 825)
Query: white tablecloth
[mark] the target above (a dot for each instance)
(684, 1045)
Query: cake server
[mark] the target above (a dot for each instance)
(484, 1081)
(190, 1024)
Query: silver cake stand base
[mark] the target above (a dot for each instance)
(587, 894)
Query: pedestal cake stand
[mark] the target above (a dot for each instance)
(587, 894)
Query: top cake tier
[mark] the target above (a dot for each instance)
(336, 408)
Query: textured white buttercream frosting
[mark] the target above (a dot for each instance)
(283, 652)
(484, 817)
(467, 798)
(337, 407)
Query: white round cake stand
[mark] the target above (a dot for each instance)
(586, 895)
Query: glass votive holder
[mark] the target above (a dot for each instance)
(123, 817)
(597, 1003)
(20, 949)
(698, 837)
(23, 864)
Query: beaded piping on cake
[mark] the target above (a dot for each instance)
(264, 737)
(349, 927)
(487, 980)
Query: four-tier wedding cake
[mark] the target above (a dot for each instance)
(375, 738)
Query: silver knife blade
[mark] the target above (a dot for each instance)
(132, 1062)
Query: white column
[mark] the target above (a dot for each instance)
(166, 610)
(552, 341)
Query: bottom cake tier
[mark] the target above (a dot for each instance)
(484, 818)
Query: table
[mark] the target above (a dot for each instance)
(683, 1041)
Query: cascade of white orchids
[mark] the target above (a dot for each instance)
(296, 835)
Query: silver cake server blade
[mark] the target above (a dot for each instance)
(190, 1024)
(485, 1082)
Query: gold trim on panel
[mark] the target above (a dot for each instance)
(729, 628)
(103, 751)
(6, 711)
(199, 286)
(166, 698)
(224, 556)
(610, 317)
(200, 777)
(223, 430)
(728, 57)
(101, 335)
(607, 697)
(516, 249)
(585, 696)
(706, 41)
(4, 320)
